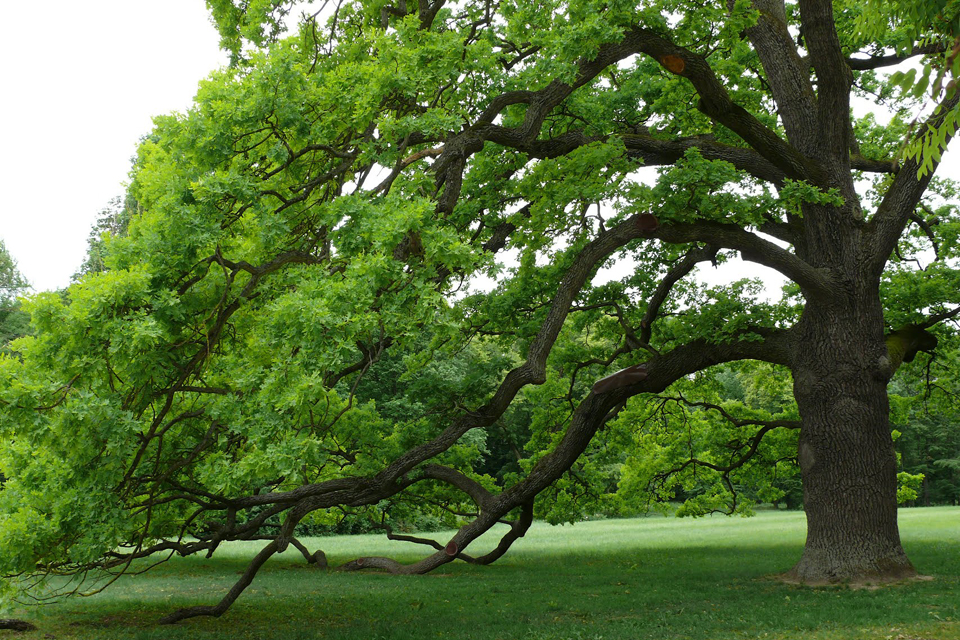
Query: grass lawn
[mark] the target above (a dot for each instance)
(655, 577)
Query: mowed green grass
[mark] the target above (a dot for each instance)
(655, 577)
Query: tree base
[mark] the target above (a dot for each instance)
(872, 583)
(826, 569)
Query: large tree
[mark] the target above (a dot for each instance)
(329, 198)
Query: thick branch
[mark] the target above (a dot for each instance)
(861, 163)
(653, 152)
(356, 491)
(787, 74)
(518, 528)
(452, 162)
(716, 103)
(938, 318)
(477, 492)
(641, 146)
(834, 80)
(876, 62)
(751, 247)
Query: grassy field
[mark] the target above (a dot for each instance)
(657, 578)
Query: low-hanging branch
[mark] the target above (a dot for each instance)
(587, 418)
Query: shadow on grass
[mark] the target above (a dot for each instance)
(609, 579)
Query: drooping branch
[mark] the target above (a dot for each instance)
(595, 410)
(592, 412)
(218, 609)
(370, 490)
(518, 528)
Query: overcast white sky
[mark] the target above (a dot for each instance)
(80, 86)
(81, 82)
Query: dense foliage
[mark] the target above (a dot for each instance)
(376, 271)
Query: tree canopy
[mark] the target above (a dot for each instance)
(389, 265)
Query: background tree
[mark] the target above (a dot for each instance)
(113, 221)
(925, 412)
(333, 197)
(13, 321)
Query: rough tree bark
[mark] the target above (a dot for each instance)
(846, 455)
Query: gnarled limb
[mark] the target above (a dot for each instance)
(654, 152)
(716, 103)
(518, 528)
(594, 411)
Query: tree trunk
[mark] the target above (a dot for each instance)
(846, 454)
